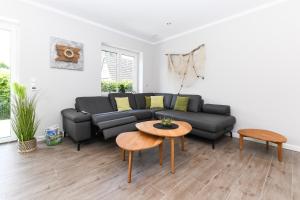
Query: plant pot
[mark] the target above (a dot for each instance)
(27, 146)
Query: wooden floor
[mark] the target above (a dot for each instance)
(97, 172)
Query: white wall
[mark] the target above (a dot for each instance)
(253, 64)
(58, 88)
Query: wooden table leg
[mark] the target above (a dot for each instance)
(123, 154)
(241, 142)
(267, 145)
(161, 153)
(182, 143)
(172, 144)
(279, 150)
(130, 155)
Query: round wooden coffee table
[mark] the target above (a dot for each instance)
(183, 129)
(264, 135)
(137, 141)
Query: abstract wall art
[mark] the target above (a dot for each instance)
(66, 54)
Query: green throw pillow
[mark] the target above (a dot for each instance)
(148, 102)
(122, 103)
(157, 102)
(181, 103)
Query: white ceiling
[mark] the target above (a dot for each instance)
(146, 19)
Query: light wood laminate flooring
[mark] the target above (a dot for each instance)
(98, 172)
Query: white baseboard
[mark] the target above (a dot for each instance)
(292, 147)
(40, 138)
(285, 145)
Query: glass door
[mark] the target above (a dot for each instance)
(5, 77)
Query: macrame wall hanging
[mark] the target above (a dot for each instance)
(189, 67)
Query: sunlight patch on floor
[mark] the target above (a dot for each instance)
(4, 128)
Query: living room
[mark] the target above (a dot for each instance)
(150, 100)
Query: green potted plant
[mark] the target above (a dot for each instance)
(166, 122)
(122, 88)
(24, 121)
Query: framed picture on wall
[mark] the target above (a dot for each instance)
(66, 54)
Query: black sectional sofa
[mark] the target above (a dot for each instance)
(99, 115)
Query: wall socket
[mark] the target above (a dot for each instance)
(33, 86)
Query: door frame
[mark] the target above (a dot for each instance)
(13, 27)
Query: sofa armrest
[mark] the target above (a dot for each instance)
(76, 116)
(216, 109)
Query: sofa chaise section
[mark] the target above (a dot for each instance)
(210, 122)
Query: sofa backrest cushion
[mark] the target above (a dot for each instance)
(112, 99)
(140, 100)
(93, 105)
(167, 99)
(195, 102)
(216, 109)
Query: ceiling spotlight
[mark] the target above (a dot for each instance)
(169, 23)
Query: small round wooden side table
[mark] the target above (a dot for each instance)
(183, 129)
(137, 141)
(264, 135)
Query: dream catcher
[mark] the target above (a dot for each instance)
(189, 67)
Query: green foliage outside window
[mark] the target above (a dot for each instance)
(113, 86)
(3, 66)
(4, 95)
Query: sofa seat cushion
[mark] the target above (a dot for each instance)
(202, 121)
(141, 114)
(96, 118)
(116, 122)
(154, 110)
(114, 131)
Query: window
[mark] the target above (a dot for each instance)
(119, 70)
